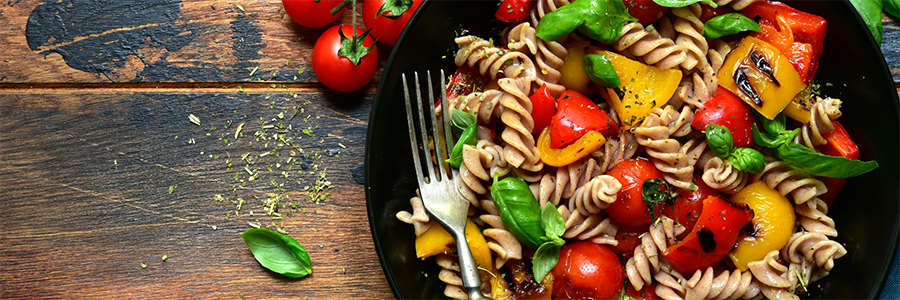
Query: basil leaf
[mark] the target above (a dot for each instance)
(460, 120)
(774, 126)
(601, 20)
(813, 163)
(767, 140)
(277, 252)
(519, 210)
(870, 11)
(545, 258)
(892, 7)
(719, 140)
(552, 221)
(469, 137)
(683, 3)
(728, 24)
(747, 160)
(657, 192)
(601, 71)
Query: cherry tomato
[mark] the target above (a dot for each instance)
(630, 209)
(646, 11)
(839, 144)
(385, 27)
(339, 73)
(543, 108)
(464, 81)
(708, 12)
(689, 204)
(648, 292)
(513, 11)
(628, 238)
(587, 271)
(312, 14)
(575, 116)
(726, 109)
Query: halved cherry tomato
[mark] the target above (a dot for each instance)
(587, 271)
(628, 238)
(312, 14)
(839, 144)
(513, 11)
(464, 81)
(575, 116)
(385, 26)
(648, 292)
(646, 11)
(712, 237)
(726, 109)
(543, 107)
(689, 205)
(629, 209)
(708, 12)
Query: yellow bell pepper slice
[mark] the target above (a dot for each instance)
(760, 75)
(572, 74)
(583, 146)
(436, 240)
(773, 223)
(644, 88)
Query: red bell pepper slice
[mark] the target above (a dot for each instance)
(543, 107)
(713, 236)
(839, 144)
(513, 11)
(801, 28)
(576, 115)
(464, 81)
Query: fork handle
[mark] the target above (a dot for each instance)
(468, 269)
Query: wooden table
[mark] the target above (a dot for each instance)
(103, 173)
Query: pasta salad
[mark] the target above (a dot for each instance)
(645, 149)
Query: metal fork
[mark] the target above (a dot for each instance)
(439, 191)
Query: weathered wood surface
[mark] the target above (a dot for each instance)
(94, 131)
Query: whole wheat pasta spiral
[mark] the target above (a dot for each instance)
(493, 61)
(686, 21)
(675, 160)
(596, 195)
(484, 105)
(641, 267)
(480, 163)
(616, 150)
(696, 88)
(814, 218)
(418, 218)
(732, 284)
(450, 275)
(548, 55)
(820, 122)
(736, 4)
(591, 227)
(802, 187)
(500, 240)
(543, 7)
(775, 280)
(721, 175)
(813, 247)
(562, 184)
(650, 46)
(520, 150)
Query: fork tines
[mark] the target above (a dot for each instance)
(441, 146)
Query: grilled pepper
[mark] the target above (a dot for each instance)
(712, 237)
(773, 223)
(436, 240)
(644, 88)
(799, 35)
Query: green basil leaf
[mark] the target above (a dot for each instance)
(554, 225)
(774, 126)
(545, 258)
(469, 137)
(870, 11)
(278, 252)
(683, 3)
(460, 120)
(813, 163)
(601, 71)
(657, 192)
(729, 24)
(519, 210)
(767, 140)
(601, 20)
(892, 7)
(719, 140)
(747, 160)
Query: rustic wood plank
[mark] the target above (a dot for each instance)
(86, 179)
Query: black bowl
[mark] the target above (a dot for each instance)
(866, 212)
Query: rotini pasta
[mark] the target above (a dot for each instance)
(493, 61)
(502, 241)
(822, 113)
(721, 175)
(549, 55)
(802, 188)
(592, 227)
(650, 46)
(668, 154)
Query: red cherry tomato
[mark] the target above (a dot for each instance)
(312, 14)
(464, 81)
(587, 271)
(630, 209)
(339, 73)
(646, 11)
(543, 108)
(628, 238)
(513, 11)
(708, 12)
(384, 26)
(648, 292)
(575, 116)
(687, 208)
(726, 109)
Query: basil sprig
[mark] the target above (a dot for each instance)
(468, 137)
(804, 159)
(657, 192)
(683, 3)
(278, 252)
(460, 120)
(547, 255)
(728, 24)
(601, 71)
(870, 11)
(601, 20)
(519, 210)
(721, 144)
